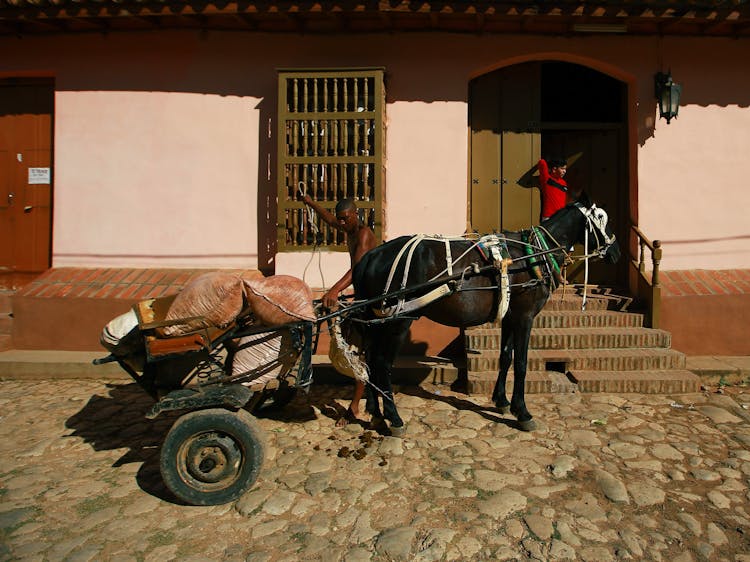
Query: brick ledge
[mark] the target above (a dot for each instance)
(113, 283)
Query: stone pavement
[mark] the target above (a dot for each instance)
(605, 477)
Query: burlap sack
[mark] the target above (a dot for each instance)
(214, 296)
(122, 338)
(279, 299)
(346, 357)
(272, 356)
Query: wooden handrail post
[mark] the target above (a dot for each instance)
(642, 257)
(656, 260)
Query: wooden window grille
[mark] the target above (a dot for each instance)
(331, 145)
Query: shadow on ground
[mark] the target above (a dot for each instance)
(117, 421)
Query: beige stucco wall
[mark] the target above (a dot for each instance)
(147, 179)
(161, 144)
(693, 196)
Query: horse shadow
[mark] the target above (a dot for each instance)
(117, 421)
(487, 412)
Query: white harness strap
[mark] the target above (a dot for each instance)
(448, 257)
(414, 304)
(402, 305)
(492, 241)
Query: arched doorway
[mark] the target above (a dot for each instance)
(547, 109)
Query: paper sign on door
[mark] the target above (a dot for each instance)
(38, 176)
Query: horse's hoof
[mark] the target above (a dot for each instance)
(528, 425)
(398, 431)
(503, 409)
(378, 424)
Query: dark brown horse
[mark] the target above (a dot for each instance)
(471, 295)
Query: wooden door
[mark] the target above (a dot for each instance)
(484, 202)
(505, 147)
(25, 174)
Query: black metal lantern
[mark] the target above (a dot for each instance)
(668, 94)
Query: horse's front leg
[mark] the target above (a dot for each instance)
(387, 342)
(521, 337)
(506, 358)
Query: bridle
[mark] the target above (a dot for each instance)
(596, 219)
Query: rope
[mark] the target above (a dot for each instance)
(314, 227)
(277, 305)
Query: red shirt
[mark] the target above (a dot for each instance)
(554, 191)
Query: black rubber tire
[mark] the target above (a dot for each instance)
(212, 457)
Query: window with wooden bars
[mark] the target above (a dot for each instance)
(331, 144)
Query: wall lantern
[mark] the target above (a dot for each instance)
(668, 94)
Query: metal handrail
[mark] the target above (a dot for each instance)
(649, 287)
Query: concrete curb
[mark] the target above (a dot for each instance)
(24, 364)
(55, 365)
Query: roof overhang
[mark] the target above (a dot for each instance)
(723, 18)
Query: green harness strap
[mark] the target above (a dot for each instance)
(545, 246)
(533, 264)
(539, 235)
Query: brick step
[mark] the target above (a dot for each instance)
(578, 319)
(658, 381)
(573, 302)
(585, 360)
(588, 319)
(537, 382)
(6, 320)
(6, 324)
(668, 381)
(596, 298)
(577, 338)
(5, 301)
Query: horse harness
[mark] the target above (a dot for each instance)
(492, 248)
(539, 249)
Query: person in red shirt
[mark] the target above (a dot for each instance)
(553, 186)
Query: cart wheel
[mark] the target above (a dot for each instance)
(273, 400)
(211, 457)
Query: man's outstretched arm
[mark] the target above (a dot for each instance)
(324, 213)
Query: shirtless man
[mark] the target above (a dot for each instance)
(360, 239)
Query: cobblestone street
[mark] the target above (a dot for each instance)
(604, 477)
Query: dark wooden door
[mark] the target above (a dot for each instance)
(594, 158)
(514, 122)
(505, 146)
(26, 108)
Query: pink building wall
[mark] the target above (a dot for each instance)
(161, 144)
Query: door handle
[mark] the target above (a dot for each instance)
(10, 198)
(27, 208)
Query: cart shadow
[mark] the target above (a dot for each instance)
(320, 400)
(116, 421)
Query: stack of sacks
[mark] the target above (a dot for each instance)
(274, 300)
(211, 299)
(216, 299)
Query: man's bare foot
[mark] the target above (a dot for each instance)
(348, 417)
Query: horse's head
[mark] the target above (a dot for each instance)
(601, 239)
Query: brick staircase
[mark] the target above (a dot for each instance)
(603, 349)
